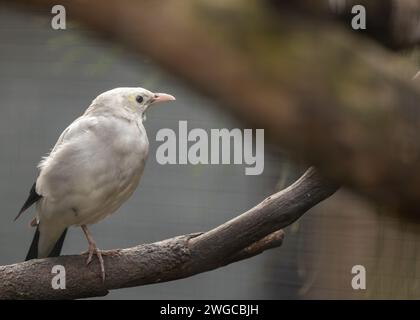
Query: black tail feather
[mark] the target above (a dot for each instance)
(58, 245)
(33, 250)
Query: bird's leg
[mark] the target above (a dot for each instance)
(93, 249)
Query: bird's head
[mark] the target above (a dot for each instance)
(128, 101)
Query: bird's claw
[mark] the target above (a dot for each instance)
(93, 249)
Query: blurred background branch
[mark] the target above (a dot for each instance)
(394, 23)
(322, 91)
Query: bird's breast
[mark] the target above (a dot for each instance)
(97, 174)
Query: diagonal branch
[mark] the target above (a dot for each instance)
(243, 237)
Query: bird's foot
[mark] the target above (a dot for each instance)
(111, 253)
(93, 249)
(105, 253)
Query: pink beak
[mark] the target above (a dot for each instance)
(162, 97)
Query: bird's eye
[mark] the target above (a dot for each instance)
(139, 99)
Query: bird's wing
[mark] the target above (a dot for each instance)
(32, 198)
(33, 194)
(76, 126)
(78, 160)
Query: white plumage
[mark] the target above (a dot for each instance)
(95, 165)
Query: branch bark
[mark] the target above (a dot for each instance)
(243, 237)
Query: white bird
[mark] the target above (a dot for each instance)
(92, 170)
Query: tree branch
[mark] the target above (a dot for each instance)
(240, 238)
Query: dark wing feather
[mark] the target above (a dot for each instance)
(33, 250)
(32, 198)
